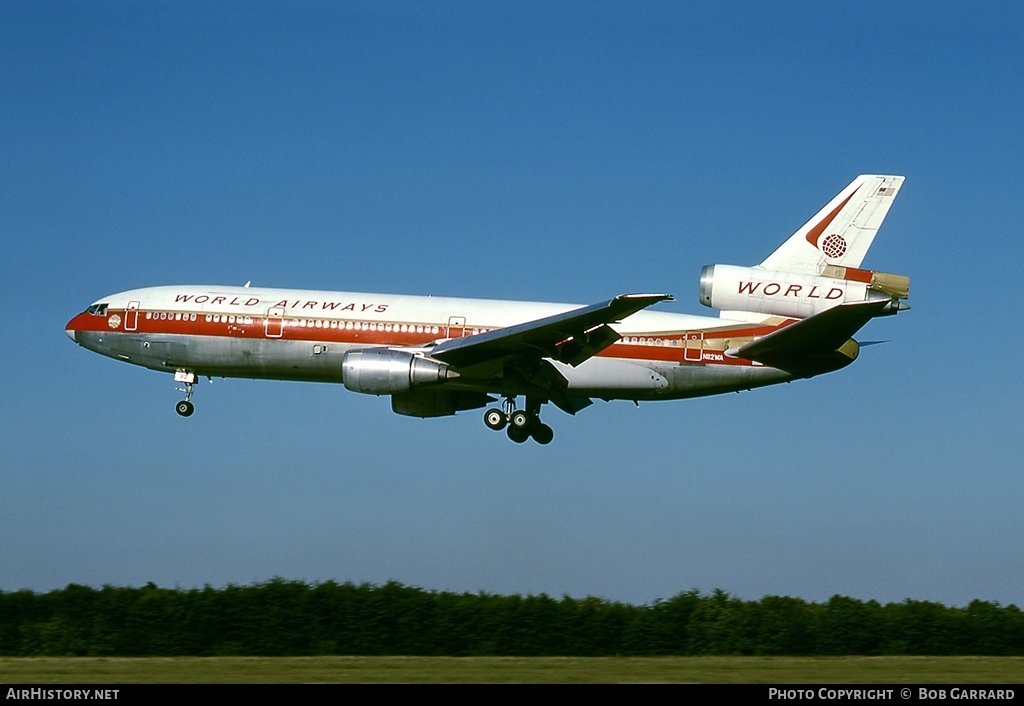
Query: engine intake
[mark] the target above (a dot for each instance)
(384, 371)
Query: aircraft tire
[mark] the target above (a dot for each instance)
(518, 434)
(185, 408)
(521, 420)
(543, 434)
(495, 419)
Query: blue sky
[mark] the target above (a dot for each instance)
(549, 151)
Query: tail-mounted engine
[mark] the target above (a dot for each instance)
(384, 371)
(753, 289)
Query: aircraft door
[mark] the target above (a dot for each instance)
(456, 326)
(131, 316)
(693, 352)
(274, 325)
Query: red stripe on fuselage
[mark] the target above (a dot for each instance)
(662, 347)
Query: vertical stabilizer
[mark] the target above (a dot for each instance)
(840, 233)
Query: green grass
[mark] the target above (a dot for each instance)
(579, 670)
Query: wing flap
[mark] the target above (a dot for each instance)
(571, 337)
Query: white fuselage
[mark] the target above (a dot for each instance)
(303, 334)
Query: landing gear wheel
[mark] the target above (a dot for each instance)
(185, 408)
(522, 423)
(495, 419)
(543, 434)
(518, 434)
(521, 420)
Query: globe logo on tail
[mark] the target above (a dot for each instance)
(833, 245)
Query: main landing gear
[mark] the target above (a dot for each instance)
(185, 408)
(522, 424)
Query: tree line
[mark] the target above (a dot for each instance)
(289, 618)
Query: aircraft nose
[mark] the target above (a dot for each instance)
(70, 329)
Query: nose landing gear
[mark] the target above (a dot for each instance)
(522, 424)
(185, 408)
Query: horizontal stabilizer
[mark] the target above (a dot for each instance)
(817, 344)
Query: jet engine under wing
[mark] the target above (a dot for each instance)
(818, 344)
(571, 338)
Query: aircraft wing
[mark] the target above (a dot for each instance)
(571, 337)
(813, 345)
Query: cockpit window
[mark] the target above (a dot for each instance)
(98, 309)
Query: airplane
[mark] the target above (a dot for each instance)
(793, 316)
